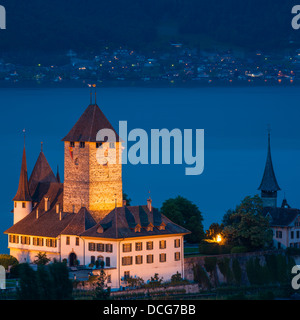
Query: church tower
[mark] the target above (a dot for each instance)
(22, 199)
(92, 178)
(269, 185)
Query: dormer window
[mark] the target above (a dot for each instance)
(162, 226)
(149, 227)
(137, 228)
(82, 144)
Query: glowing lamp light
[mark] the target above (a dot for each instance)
(218, 238)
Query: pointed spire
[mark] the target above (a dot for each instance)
(57, 175)
(23, 193)
(269, 182)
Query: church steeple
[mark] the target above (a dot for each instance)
(269, 185)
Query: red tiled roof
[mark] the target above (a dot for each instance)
(88, 125)
(23, 193)
(41, 174)
(127, 218)
(48, 223)
(81, 222)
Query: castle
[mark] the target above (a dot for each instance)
(284, 220)
(84, 219)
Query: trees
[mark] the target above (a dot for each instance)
(41, 259)
(102, 292)
(185, 213)
(127, 199)
(247, 226)
(7, 260)
(49, 282)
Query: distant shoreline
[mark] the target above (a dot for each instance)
(146, 84)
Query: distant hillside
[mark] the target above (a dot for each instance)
(58, 25)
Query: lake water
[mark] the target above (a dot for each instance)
(234, 119)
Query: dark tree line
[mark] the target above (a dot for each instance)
(49, 282)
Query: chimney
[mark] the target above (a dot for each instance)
(37, 213)
(57, 208)
(149, 204)
(47, 204)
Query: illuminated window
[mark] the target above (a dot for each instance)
(13, 238)
(100, 247)
(177, 256)
(91, 246)
(177, 243)
(149, 245)
(162, 257)
(162, 244)
(162, 227)
(109, 247)
(149, 228)
(127, 247)
(138, 246)
(126, 261)
(138, 259)
(150, 258)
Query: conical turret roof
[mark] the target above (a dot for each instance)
(41, 173)
(23, 193)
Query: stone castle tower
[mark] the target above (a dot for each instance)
(92, 179)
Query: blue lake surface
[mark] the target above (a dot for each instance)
(235, 121)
